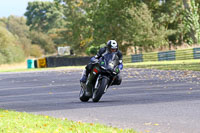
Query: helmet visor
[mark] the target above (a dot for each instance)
(113, 50)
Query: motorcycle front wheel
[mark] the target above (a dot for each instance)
(82, 96)
(97, 94)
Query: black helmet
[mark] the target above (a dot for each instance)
(112, 45)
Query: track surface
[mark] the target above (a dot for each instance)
(148, 100)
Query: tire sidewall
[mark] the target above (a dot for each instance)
(100, 90)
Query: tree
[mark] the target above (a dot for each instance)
(84, 24)
(43, 16)
(77, 30)
(6, 38)
(9, 50)
(191, 22)
(186, 4)
(108, 20)
(36, 51)
(142, 32)
(44, 41)
(17, 26)
(170, 15)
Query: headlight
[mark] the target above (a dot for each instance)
(111, 64)
(103, 67)
(114, 73)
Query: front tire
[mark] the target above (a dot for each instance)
(97, 94)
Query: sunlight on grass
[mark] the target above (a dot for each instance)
(166, 62)
(42, 69)
(16, 122)
(192, 65)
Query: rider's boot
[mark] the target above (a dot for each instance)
(84, 77)
(83, 81)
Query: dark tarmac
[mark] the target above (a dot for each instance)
(151, 101)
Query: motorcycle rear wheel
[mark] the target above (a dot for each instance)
(97, 94)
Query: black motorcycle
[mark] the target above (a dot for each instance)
(100, 78)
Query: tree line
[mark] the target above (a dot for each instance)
(85, 25)
(17, 42)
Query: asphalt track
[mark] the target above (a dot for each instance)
(152, 101)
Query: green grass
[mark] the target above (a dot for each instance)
(192, 65)
(40, 69)
(16, 122)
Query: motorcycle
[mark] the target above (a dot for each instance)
(100, 78)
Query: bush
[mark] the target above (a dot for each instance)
(6, 38)
(7, 53)
(44, 41)
(10, 51)
(12, 54)
(92, 50)
(36, 51)
(2, 59)
(18, 54)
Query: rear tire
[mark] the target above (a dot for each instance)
(97, 94)
(82, 96)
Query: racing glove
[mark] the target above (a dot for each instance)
(120, 66)
(94, 60)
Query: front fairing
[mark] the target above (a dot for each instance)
(107, 67)
(109, 63)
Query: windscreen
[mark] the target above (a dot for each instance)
(111, 60)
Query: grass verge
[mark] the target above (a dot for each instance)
(188, 65)
(16, 122)
(192, 65)
(41, 69)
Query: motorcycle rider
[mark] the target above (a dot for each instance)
(112, 46)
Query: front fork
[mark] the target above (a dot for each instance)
(97, 82)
